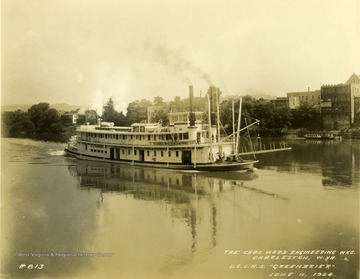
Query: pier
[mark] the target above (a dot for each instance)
(263, 148)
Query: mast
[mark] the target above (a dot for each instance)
(218, 112)
(233, 124)
(209, 126)
(238, 127)
(248, 132)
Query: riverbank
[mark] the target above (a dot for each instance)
(50, 137)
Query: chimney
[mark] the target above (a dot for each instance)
(192, 113)
(213, 103)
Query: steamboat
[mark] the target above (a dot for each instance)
(186, 143)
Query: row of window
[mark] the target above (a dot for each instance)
(98, 150)
(154, 152)
(162, 153)
(180, 136)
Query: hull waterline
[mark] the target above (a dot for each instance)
(244, 165)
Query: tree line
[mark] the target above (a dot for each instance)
(273, 120)
(41, 122)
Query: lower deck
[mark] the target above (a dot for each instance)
(186, 155)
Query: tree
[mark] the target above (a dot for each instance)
(162, 115)
(22, 129)
(46, 121)
(111, 115)
(307, 117)
(37, 115)
(159, 101)
(42, 116)
(137, 111)
(10, 123)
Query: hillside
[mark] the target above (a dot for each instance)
(25, 107)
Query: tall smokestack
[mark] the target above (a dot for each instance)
(213, 104)
(192, 113)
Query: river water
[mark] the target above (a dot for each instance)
(296, 215)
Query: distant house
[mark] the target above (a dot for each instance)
(68, 119)
(89, 116)
(79, 118)
(281, 102)
(151, 113)
(310, 98)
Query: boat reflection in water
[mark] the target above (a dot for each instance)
(183, 221)
(152, 183)
(179, 189)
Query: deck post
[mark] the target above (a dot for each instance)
(167, 154)
(195, 155)
(233, 127)
(133, 149)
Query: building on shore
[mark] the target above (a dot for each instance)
(79, 118)
(354, 79)
(281, 102)
(340, 104)
(310, 98)
(69, 119)
(151, 112)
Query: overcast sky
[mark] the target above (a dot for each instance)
(84, 51)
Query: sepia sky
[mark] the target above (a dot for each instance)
(84, 51)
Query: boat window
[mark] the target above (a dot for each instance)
(148, 137)
(169, 153)
(148, 153)
(162, 153)
(154, 152)
(177, 153)
(123, 151)
(129, 152)
(135, 152)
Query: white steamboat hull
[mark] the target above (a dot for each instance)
(244, 165)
